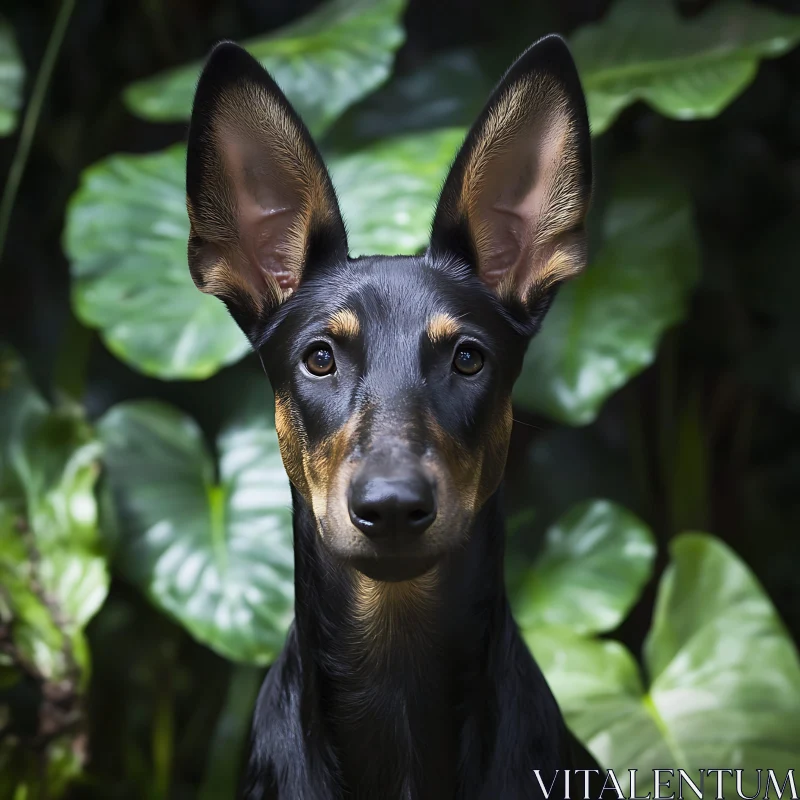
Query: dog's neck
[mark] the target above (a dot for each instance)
(387, 667)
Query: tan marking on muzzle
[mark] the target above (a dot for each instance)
(292, 441)
(457, 469)
(313, 471)
(495, 453)
(324, 466)
(473, 475)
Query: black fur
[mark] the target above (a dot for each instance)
(453, 705)
(469, 721)
(468, 717)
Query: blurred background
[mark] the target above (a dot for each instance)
(652, 485)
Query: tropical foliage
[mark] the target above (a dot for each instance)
(145, 525)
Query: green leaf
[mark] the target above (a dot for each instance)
(209, 542)
(12, 74)
(599, 690)
(595, 562)
(686, 69)
(708, 594)
(127, 230)
(324, 63)
(449, 90)
(604, 327)
(724, 676)
(28, 774)
(126, 236)
(388, 191)
(53, 576)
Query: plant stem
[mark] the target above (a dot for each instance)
(72, 362)
(668, 378)
(31, 117)
(230, 736)
(163, 735)
(637, 447)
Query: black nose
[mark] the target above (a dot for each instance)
(392, 505)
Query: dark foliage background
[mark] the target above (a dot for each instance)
(705, 438)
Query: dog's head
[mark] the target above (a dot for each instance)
(392, 375)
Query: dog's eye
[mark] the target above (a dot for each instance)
(320, 361)
(468, 361)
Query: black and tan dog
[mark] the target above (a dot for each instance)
(404, 675)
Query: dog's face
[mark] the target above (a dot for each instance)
(392, 375)
(392, 379)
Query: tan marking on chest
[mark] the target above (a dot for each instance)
(384, 612)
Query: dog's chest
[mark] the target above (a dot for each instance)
(392, 706)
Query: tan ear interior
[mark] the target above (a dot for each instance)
(263, 191)
(522, 193)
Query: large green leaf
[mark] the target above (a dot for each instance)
(126, 236)
(324, 63)
(604, 327)
(12, 74)
(127, 230)
(388, 191)
(724, 676)
(209, 542)
(53, 576)
(595, 562)
(449, 90)
(684, 68)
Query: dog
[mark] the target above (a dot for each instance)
(404, 674)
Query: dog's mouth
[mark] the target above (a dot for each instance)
(395, 556)
(395, 568)
(391, 560)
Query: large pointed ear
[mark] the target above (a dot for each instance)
(516, 198)
(261, 204)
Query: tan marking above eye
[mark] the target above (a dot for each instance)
(442, 327)
(344, 324)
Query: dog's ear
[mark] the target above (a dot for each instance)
(261, 204)
(516, 198)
